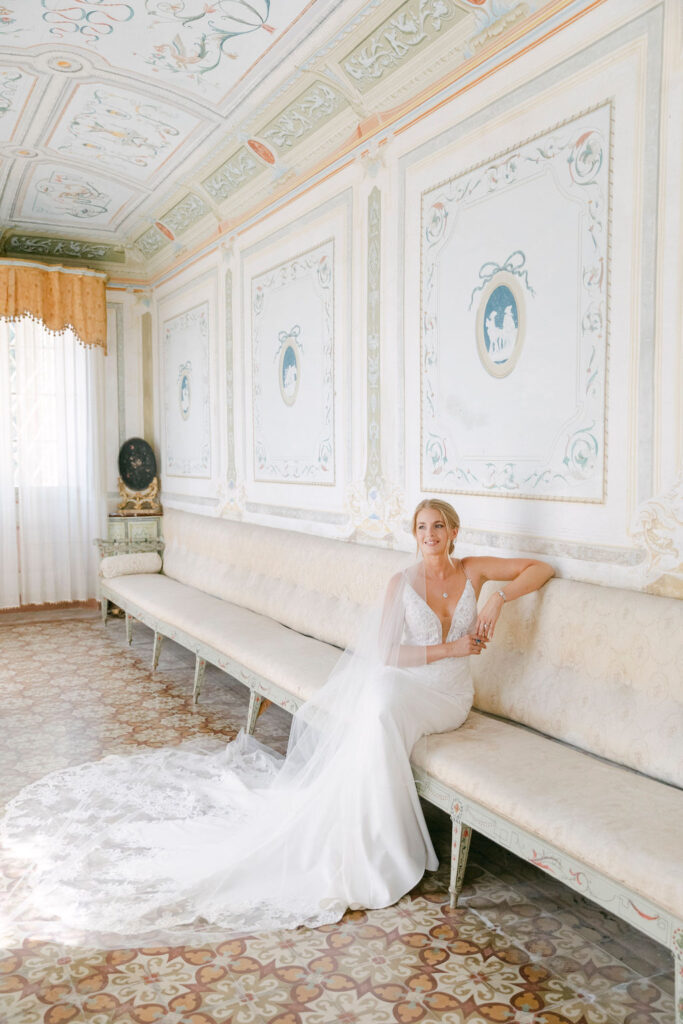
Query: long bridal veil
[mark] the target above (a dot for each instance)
(186, 844)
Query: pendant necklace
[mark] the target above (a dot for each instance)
(444, 594)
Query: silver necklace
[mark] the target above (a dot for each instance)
(444, 593)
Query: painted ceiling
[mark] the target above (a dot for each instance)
(132, 131)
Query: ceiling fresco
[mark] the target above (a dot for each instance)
(131, 130)
(187, 46)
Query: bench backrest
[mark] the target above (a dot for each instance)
(320, 587)
(598, 667)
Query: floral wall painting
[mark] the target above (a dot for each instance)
(187, 401)
(514, 318)
(292, 334)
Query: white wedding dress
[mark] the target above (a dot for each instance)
(187, 844)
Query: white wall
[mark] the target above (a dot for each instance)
(124, 390)
(571, 156)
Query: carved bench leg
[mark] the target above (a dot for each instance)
(199, 667)
(104, 608)
(460, 847)
(678, 974)
(129, 628)
(255, 702)
(158, 637)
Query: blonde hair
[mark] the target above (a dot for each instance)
(450, 516)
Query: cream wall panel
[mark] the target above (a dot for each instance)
(292, 333)
(513, 313)
(295, 308)
(187, 367)
(627, 76)
(187, 397)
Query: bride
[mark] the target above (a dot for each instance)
(185, 844)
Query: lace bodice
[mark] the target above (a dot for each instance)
(423, 626)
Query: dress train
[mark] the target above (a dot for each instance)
(187, 844)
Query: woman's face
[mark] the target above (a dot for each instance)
(432, 534)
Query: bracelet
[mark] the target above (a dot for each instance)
(502, 594)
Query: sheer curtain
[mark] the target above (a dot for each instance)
(9, 562)
(54, 413)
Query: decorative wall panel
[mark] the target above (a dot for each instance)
(514, 314)
(292, 324)
(187, 398)
(231, 492)
(374, 505)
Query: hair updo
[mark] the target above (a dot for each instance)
(450, 516)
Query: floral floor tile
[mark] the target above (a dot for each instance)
(521, 949)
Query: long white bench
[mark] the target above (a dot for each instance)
(573, 756)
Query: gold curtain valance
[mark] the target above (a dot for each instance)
(56, 296)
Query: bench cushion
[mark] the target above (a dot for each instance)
(617, 821)
(597, 667)
(300, 664)
(130, 564)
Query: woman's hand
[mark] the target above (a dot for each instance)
(488, 616)
(470, 643)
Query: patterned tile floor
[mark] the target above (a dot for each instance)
(522, 949)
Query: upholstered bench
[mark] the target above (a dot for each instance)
(272, 608)
(573, 756)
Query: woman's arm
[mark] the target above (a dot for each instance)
(409, 654)
(524, 575)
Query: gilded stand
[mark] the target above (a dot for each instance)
(136, 503)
